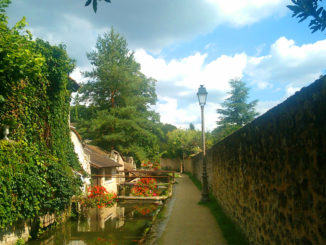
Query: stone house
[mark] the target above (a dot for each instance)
(107, 169)
(103, 168)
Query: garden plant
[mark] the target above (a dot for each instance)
(145, 187)
(98, 197)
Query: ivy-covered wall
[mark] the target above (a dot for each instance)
(36, 165)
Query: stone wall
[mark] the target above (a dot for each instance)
(10, 235)
(174, 164)
(22, 230)
(171, 164)
(270, 176)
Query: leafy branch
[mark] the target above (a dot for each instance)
(88, 2)
(302, 9)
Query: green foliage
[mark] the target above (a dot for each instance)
(191, 126)
(236, 109)
(119, 98)
(36, 174)
(116, 80)
(32, 184)
(20, 241)
(88, 2)
(183, 143)
(302, 9)
(122, 129)
(81, 112)
(221, 132)
(99, 197)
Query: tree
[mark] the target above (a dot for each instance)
(119, 99)
(236, 109)
(302, 9)
(183, 143)
(221, 132)
(116, 80)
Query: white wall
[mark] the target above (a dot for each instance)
(82, 157)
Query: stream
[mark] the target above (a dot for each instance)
(123, 223)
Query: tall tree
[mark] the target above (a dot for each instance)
(116, 79)
(119, 99)
(191, 126)
(236, 110)
(302, 9)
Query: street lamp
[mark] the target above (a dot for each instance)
(202, 95)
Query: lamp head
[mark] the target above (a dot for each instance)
(202, 95)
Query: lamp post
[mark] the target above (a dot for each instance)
(202, 95)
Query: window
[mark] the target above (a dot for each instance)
(108, 171)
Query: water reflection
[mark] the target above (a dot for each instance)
(120, 224)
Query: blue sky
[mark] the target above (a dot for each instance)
(185, 43)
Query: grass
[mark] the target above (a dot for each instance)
(231, 232)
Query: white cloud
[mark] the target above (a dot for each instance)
(192, 71)
(78, 76)
(288, 64)
(172, 114)
(151, 25)
(246, 12)
(178, 82)
(173, 70)
(264, 85)
(264, 106)
(290, 90)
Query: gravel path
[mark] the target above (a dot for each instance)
(190, 223)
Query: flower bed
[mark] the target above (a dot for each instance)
(145, 187)
(148, 210)
(99, 197)
(150, 165)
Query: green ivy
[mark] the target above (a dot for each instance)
(36, 166)
(32, 184)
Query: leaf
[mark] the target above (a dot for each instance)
(95, 5)
(314, 29)
(88, 2)
(312, 22)
(303, 18)
(295, 9)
